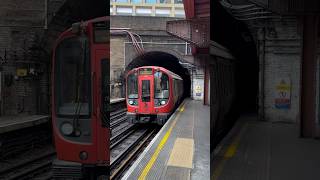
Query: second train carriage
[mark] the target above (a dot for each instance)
(152, 94)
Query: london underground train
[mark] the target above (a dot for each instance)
(152, 94)
(80, 87)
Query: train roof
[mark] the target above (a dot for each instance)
(99, 19)
(67, 31)
(176, 76)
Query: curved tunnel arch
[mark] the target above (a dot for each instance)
(69, 12)
(172, 52)
(237, 37)
(165, 60)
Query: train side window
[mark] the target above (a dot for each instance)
(132, 89)
(105, 93)
(161, 85)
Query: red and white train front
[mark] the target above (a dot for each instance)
(80, 77)
(152, 94)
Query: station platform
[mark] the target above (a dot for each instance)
(116, 100)
(181, 149)
(12, 123)
(266, 151)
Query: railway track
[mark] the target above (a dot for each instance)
(29, 165)
(127, 142)
(117, 118)
(125, 149)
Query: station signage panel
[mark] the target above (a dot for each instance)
(283, 93)
(145, 71)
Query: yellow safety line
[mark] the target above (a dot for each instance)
(159, 147)
(229, 153)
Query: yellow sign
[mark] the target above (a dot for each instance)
(22, 72)
(283, 93)
(283, 86)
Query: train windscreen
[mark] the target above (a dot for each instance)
(72, 78)
(132, 89)
(161, 85)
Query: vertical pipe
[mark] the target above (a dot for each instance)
(46, 14)
(205, 86)
(0, 93)
(308, 76)
(261, 52)
(186, 49)
(318, 123)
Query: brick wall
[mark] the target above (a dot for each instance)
(122, 51)
(22, 36)
(282, 61)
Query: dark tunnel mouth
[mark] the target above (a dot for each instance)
(236, 36)
(165, 60)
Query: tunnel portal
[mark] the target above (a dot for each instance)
(165, 60)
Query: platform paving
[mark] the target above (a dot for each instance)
(184, 151)
(12, 123)
(256, 150)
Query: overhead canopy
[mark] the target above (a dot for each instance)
(197, 8)
(287, 6)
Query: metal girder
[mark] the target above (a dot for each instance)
(290, 6)
(195, 31)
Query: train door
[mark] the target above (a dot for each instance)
(145, 90)
(100, 108)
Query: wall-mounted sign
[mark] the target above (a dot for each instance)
(22, 72)
(283, 93)
(198, 90)
(145, 71)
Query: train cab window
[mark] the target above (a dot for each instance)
(132, 89)
(145, 93)
(161, 85)
(72, 77)
(101, 32)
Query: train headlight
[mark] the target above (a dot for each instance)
(83, 155)
(67, 128)
(131, 102)
(163, 102)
